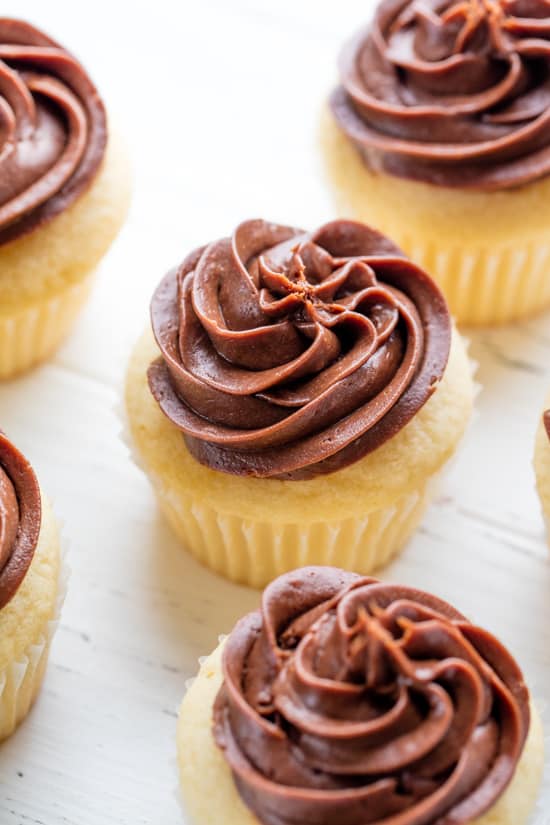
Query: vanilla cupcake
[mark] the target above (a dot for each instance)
(446, 106)
(542, 464)
(303, 393)
(64, 193)
(344, 700)
(31, 586)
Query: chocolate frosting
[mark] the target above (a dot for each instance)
(347, 701)
(451, 92)
(288, 354)
(20, 518)
(546, 422)
(53, 129)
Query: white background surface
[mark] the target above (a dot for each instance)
(219, 102)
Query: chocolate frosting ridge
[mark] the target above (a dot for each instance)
(347, 701)
(20, 518)
(451, 92)
(289, 354)
(53, 129)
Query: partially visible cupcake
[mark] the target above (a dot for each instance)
(31, 586)
(347, 701)
(303, 394)
(542, 464)
(64, 193)
(440, 135)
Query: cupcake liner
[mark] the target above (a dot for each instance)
(32, 334)
(255, 552)
(545, 512)
(541, 815)
(484, 285)
(124, 434)
(21, 680)
(474, 369)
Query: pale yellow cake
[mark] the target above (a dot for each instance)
(210, 797)
(252, 530)
(491, 262)
(26, 627)
(46, 276)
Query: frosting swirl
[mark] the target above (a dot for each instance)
(289, 354)
(20, 517)
(348, 701)
(452, 92)
(53, 129)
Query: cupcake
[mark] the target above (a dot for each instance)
(64, 193)
(302, 393)
(31, 586)
(542, 464)
(347, 701)
(446, 105)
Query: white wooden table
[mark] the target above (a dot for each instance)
(219, 100)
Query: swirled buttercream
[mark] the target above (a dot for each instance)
(289, 354)
(53, 129)
(20, 515)
(451, 92)
(347, 701)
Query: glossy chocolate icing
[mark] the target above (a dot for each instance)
(289, 354)
(53, 129)
(451, 92)
(20, 518)
(347, 701)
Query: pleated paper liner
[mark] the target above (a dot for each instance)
(541, 816)
(256, 552)
(485, 285)
(32, 334)
(21, 680)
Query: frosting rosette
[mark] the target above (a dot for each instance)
(451, 92)
(289, 354)
(347, 701)
(53, 129)
(20, 517)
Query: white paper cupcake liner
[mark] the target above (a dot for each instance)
(541, 814)
(32, 334)
(124, 434)
(255, 552)
(484, 286)
(21, 680)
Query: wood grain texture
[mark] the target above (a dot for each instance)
(219, 101)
